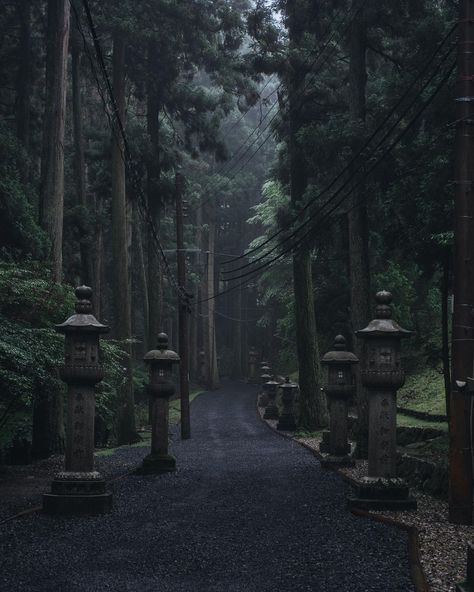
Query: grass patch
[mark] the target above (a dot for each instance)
(306, 434)
(424, 392)
(412, 422)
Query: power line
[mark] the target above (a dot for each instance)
(322, 48)
(247, 283)
(354, 159)
(182, 294)
(344, 197)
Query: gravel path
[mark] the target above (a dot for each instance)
(247, 511)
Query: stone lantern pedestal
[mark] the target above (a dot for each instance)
(287, 421)
(383, 375)
(160, 390)
(271, 410)
(468, 585)
(264, 378)
(339, 390)
(252, 376)
(79, 489)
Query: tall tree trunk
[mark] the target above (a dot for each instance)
(213, 376)
(48, 417)
(313, 409)
(445, 284)
(154, 198)
(126, 431)
(23, 84)
(52, 162)
(79, 157)
(359, 269)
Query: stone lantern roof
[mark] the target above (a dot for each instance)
(339, 355)
(162, 352)
(383, 325)
(83, 320)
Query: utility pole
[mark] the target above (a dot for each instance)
(183, 311)
(460, 454)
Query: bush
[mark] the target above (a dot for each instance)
(31, 351)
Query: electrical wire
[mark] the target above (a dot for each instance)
(246, 283)
(182, 294)
(351, 190)
(321, 50)
(356, 157)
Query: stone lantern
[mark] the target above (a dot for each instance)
(160, 389)
(271, 410)
(252, 365)
(382, 375)
(202, 366)
(79, 489)
(339, 390)
(287, 421)
(264, 378)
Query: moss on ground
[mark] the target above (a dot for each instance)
(424, 392)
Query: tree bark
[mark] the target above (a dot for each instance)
(213, 374)
(154, 197)
(359, 266)
(85, 239)
(52, 162)
(312, 404)
(126, 431)
(48, 417)
(23, 84)
(445, 284)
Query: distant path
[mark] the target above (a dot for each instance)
(247, 511)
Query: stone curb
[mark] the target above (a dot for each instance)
(416, 569)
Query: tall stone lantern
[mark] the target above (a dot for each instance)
(287, 421)
(271, 410)
(252, 365)
(382, 374)
(160, 389)
(264, 378)
(79, 489)
(339, 390)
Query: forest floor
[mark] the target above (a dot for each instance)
(246, 510)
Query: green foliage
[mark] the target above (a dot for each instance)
(31, 350)
(19, 231)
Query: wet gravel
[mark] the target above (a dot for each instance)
(247, 511)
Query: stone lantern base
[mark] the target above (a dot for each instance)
(376, 493)
(78, 493)
(157, 464)
(271, 412)
(325, 445)
(263, 399)
(287, 423)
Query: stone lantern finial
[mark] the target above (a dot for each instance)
(383, 309)
(340, 343)
(84, 303)
(162, 341)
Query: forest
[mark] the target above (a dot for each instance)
(206, 88)
(242, 175)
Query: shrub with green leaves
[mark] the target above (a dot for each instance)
(31, 351)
